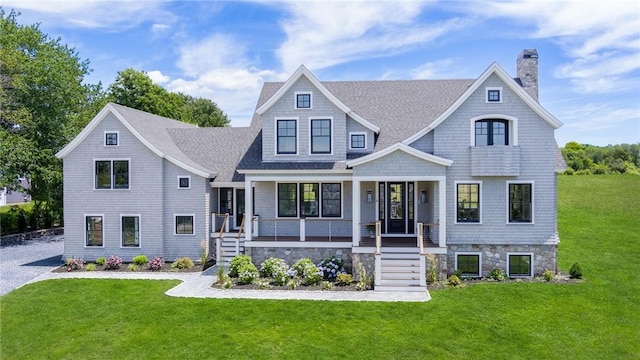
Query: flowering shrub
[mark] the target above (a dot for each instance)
(132, 267)
(307, 271)
(155, 264)
(101, 261)
(113, 262)
(182, 263)
(74, 263)
(344, 279)
(498, 274)
(91, 267)
(140, 260)
(276, 269)
(236, 263)
(248, 274)
(331, 267)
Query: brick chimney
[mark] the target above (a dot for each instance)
(528, 71)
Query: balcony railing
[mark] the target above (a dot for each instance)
(302, 229)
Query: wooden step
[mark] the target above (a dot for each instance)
(412, 288)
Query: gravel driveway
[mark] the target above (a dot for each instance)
(22, 263)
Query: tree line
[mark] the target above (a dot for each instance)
(45, 103)
(585, 159)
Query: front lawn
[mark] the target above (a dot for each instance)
(598, 319)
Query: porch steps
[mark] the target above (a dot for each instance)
(400, 271)
(228, 248)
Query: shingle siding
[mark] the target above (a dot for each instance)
(399, 163)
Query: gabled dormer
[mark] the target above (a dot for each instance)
(303, 121)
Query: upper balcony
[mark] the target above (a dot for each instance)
(497, 160)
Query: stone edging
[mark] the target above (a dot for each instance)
(32, 235)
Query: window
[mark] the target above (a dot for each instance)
(358, 141)
(331, 200)
(303, 100)
(468, 264)
(94, 235)
(493, 95)
(287, 200)
(520, 203)
(130, 231)
(287, 137)
(468, 203)
(310, 199)
(184, 224)
(520, 264)
(112, 174)
(321, 136)
(111, 138)
(184, 182)
(492, 132)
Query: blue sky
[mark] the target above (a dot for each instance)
(589, 50)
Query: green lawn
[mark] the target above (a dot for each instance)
(598, 319)
(25, 206)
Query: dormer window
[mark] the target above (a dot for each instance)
(358, 141)
(303, 100)
(492, 132)
(494, 95)
(111, 138)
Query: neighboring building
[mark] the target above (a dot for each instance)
(8, 197)
(469, 166)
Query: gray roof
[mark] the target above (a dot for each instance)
(399, 107)
(155, 130)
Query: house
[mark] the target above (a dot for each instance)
(376, 172)
(15, 197)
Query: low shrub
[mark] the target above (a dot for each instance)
(263, 284)
(327, 285)
(155, 264)
(182, 263)
(498, 274)
(248, 273)
(307, 272)
(236, 263)
(74, 263)
(293, 283)
(454, 281)
(365, 281)
(101, 261)
(548, 275)
(140, 260)
(91, 267)
(331, 267)
(344, 279)
(575, 272)
(222, 276)
(132, 267)
(113, 263)
(275, 269)
(228, 284)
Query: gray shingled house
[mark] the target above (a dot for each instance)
(376, 172)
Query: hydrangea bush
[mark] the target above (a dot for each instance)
(307, 271)
(275, 269)
(331, 267)
(248, 274)
(237, 262)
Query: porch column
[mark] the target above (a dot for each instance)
(355, 216)
(442, 199)
(248, 209)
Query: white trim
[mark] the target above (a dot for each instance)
(331, 142)
(275, 132)
(295, 100)
(492, 88)
(531, 264)
(84, 226)
(111, 132)
(455, 200)
(112, 178)
(183, 177)
(175, 221)
(512, 131)
(479, 253)
(298, 244)
(294, 172)
(530, 182)
(139, 231)
(303, 71)
(358, 133)
(511, 84)
(402, 147)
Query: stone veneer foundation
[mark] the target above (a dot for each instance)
(495, 256)
(291, 255)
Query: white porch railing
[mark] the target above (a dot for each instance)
(302, 229)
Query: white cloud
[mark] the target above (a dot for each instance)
(120, 15)
(160, 28)
(438, 69)
(157, 77)
(216, 51)
(599, 116)
(323, 34)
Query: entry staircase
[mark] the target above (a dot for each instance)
(400, 270)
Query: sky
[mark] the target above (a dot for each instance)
(589, 51)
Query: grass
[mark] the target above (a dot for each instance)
(596, 319)
(25, 206)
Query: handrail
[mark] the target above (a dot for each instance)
(244, 216)
(224, 225)
(378, 236)
(421, 237)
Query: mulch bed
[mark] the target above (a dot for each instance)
(166, 267)
(319, 287)
(560, 278)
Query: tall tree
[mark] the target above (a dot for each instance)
(135, 89)
(40, 88)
